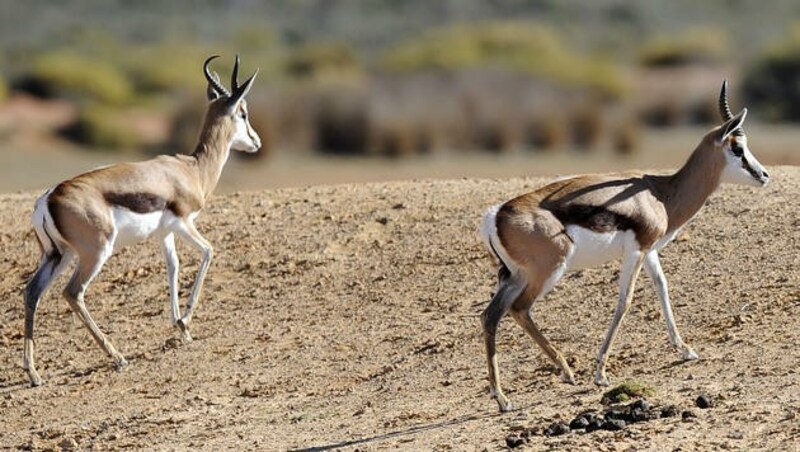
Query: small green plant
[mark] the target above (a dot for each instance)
(101, 128)
(771, 83)
(517, 46)
(3, 89)
(322, 58)
(70, 74)
(699, 45)
(627, 390)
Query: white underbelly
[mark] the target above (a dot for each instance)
(591, 249)
(135, 227)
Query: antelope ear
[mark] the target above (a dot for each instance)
(732, 125)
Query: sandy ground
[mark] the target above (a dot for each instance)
(347, 316)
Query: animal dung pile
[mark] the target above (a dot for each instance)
(614, 418)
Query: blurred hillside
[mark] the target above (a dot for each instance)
(393, 78)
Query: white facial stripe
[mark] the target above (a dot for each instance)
(245, 138)
(741, 166)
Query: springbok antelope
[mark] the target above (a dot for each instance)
(584, 221)
(90, 216)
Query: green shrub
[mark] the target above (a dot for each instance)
(518, 46)
(770, 85)
(341, 121)
(101, 127)
(699, 45)
(322, 58)
(626, 391)
(62, 73)
(3, 90)
(627, 137)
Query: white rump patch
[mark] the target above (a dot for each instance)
(489, 235)
(591, 249)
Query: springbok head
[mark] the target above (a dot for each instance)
(741, 166)
(232, 106)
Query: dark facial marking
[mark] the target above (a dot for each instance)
(136, 202)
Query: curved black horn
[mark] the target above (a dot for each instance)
(235, 75)
(211, 81)
(724, 109)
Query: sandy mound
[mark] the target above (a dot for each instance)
(348, 316)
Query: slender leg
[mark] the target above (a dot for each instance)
(524, 319)
(50, 268)
(508, 290)
(521, 312)
(190, 233)
(631, 266)
(173, 264)
(653, 267)
(89, 266)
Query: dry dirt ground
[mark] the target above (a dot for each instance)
(348, 316)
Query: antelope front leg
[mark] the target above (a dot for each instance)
(173, 265)
(191, 234)
(631, 266)
(653, 267)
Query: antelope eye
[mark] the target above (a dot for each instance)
(737, 150)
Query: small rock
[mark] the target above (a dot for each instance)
(557, 428)
(514, 441)
(688, 414)
(703, 401)
(615, 413)
(669, 411)
(594, 424)
(68, 444)
(637, 415)
(642, 404)
(579, 423)
(614, 424)
(171, 343)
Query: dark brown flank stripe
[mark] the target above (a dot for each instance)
(594, 218)
(136, 202)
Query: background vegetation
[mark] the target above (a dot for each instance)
(399, 78)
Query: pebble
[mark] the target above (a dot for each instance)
(688, 414)
(614, 424)
(557, 428)
(703, 401)
(514, 441)
(595, 424)
(68, 444)
(669, 411)
(579, 423)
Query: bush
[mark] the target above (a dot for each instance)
(3, 90)
(771, 83)
(61, 73)
(185, 127)
(525, 47)
(626, 139)
(701, 45)
(587, 126)
(549, 131)
(341, 121)
(322, 58)
(101, 127)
